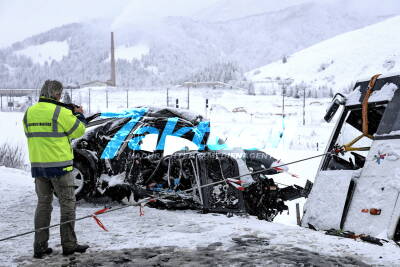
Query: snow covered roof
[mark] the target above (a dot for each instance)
(384, 90)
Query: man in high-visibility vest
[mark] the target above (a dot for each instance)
(49, 127)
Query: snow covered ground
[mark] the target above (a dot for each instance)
(167, 237)
(170, 238)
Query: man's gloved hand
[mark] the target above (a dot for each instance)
(78, 112)
(78, 109)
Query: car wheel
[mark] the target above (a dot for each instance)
(78, 180)
(83, 179)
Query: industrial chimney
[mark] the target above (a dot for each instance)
(112, 80)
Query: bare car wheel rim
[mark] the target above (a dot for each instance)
(78, 180)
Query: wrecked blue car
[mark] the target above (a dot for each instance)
(125, 157)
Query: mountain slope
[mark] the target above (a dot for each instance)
(224, 10)
(177, 48)
(338, 62)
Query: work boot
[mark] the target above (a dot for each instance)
(40, 254)
(78, 248)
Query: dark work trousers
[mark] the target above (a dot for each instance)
(64, 188)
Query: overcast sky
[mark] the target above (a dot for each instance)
(20, 19)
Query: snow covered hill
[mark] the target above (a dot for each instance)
(174, 49)
(224, 10)
(340, 61)
(46, 52)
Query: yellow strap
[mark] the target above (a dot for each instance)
(356, 148)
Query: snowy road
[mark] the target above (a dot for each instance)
(172, 238)
(249, 251)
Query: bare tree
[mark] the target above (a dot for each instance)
(11, 156)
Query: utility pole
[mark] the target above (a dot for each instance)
(206, 108)
(283, 99)
(113, 81)
(167, 97)
(304, 106)
(107, 99)
(127, 99)
(188, 96)
(284, 83)
(89, 101)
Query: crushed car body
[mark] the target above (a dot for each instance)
(111, 161)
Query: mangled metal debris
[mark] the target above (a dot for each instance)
(110, 161)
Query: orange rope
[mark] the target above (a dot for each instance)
(371, 86)
(349, 146)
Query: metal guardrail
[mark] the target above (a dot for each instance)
(18, 92)
(9, 99)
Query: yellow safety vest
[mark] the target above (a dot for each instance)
(50, 129)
